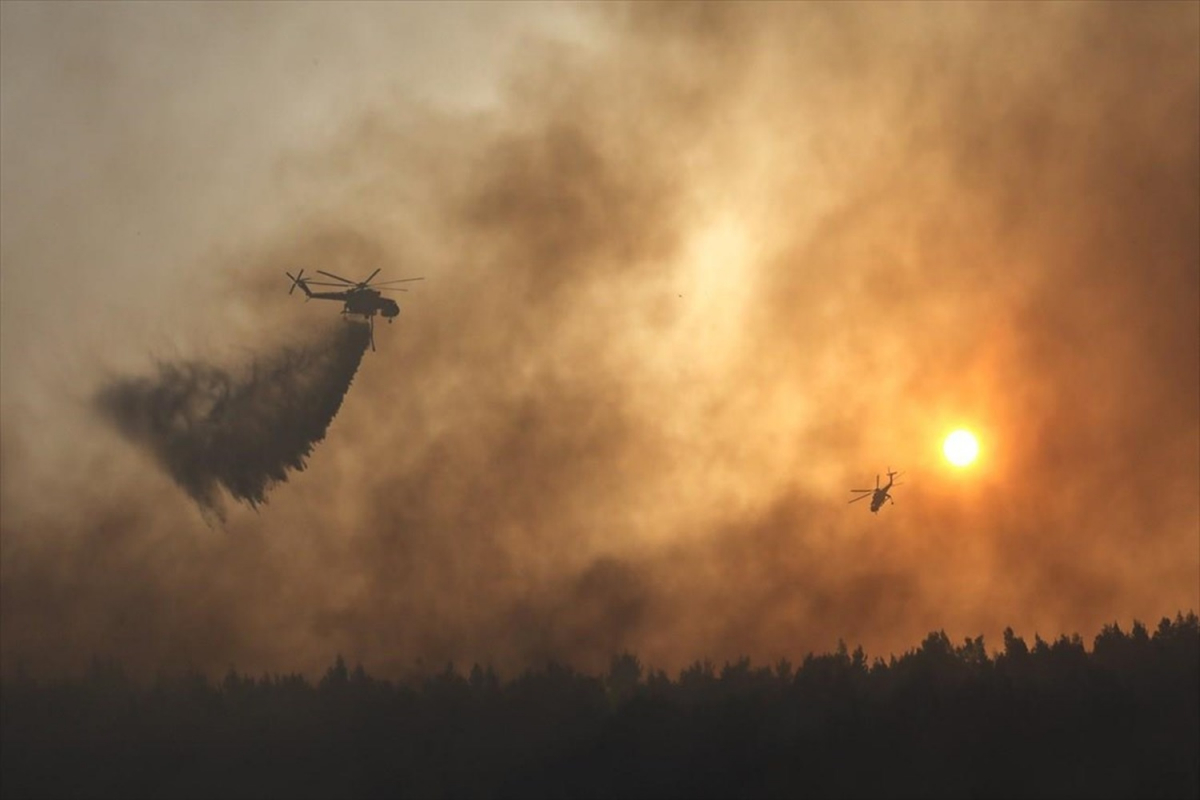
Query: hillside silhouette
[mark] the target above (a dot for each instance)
(1051, 719)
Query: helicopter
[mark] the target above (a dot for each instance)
(361, 298)
(880, 494)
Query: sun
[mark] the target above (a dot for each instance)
(960, 448)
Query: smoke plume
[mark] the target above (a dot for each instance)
(693, 271)
(242, 429)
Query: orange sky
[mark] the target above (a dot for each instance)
(692, 272)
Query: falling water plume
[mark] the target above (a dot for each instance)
(243, 429)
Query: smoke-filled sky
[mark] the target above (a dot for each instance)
(691, 274)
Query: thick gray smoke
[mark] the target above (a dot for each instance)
(693, 272)
(243, 430)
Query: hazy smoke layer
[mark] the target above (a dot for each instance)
(693, 272)
(242, 429)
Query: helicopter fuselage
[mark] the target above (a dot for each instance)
(880, 494)
(879, 497)
(361, 298)
(365, 302)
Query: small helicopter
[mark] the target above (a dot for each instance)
(880, 494)
(362, 298)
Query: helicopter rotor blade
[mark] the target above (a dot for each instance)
(337, 277)
(372, 275)
(860, 497)
(399, 280)
(389, 289)
(862, 490)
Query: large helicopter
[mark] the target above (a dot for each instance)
(880, 494)
(362, 298)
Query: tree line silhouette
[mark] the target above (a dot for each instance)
(941, 720)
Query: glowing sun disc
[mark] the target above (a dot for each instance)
(960, 448)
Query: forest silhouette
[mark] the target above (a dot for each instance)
(1051, 719)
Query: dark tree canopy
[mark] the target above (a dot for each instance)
(944, 719)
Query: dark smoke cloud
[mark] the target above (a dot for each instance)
(243, 430)
(694, 275)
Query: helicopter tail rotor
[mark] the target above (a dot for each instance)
(296, 280)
